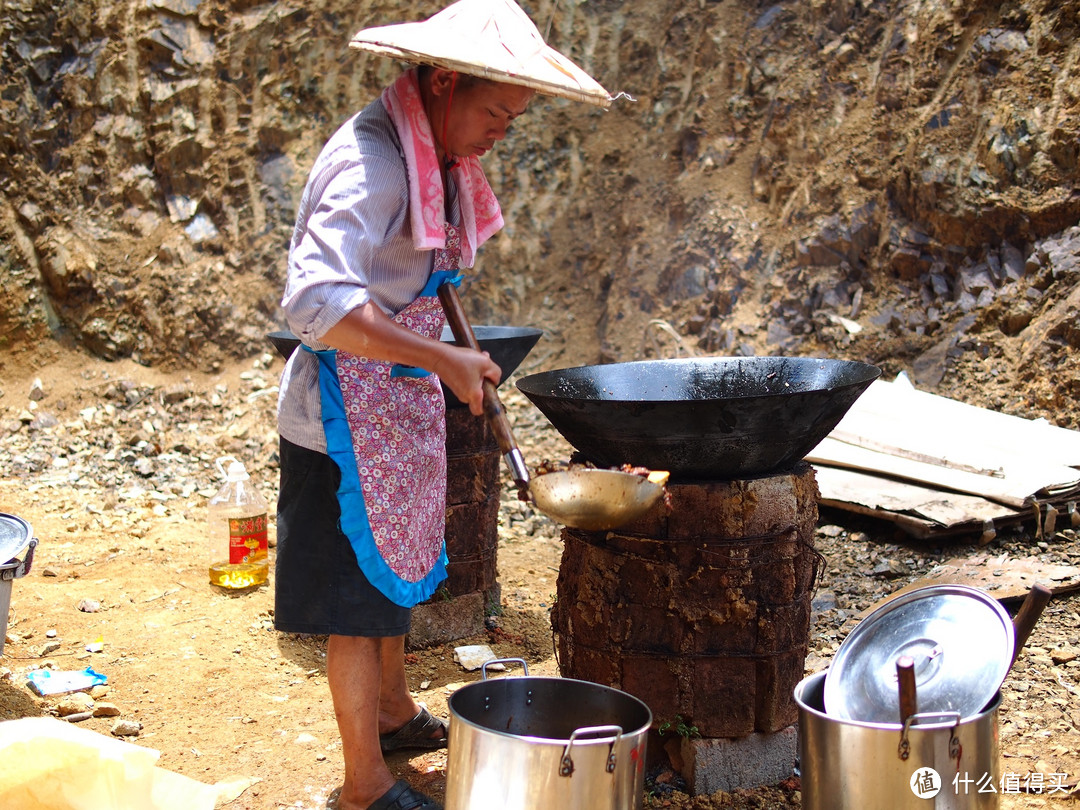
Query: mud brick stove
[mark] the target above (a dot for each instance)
(473, 460)
(701, 608)
(457, 610)
(702, 612)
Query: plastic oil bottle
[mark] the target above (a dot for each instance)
(237, 524)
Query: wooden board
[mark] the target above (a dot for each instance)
(920, 511)
(1018, 487)
(900, 416)
(895, 430)
(1005, 578)
(934, 465)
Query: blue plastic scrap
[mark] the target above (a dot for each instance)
(48, 682)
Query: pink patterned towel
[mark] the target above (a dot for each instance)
(480, 213)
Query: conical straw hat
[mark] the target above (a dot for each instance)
(494, 39)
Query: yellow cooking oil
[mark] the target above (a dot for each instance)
(237, 576)
(238, 523)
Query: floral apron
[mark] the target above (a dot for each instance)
(385, 428)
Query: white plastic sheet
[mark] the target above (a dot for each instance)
(49, 764)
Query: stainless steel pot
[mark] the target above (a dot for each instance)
(16, 536)
(534, 743)
(849, 765)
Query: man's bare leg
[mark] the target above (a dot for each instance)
(396, 703)
(354, 669)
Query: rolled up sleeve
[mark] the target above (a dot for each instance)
(351, 211)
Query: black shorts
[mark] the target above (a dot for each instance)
(318, 586)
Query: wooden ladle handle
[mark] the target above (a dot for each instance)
(493, 407)
(1024, 622)
(905, 677)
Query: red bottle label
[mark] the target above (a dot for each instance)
(247, 539)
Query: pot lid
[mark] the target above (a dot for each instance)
(961, 641)
(14, 536)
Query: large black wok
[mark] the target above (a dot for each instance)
(507, 345)
(716, 418)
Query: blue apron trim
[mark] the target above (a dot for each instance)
(431, 289)
(354, 520)
(399, 370)
(437, 279)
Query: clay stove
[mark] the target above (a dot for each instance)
(473, 484)
(703, 612)
(458, 608)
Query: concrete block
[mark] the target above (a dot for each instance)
(441, 621)
(712, 764)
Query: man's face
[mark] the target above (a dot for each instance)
(480, 115)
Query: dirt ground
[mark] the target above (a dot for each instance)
(879, 180)
(220, 694)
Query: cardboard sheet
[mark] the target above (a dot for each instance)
(936, 466)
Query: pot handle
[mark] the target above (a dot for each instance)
(904, 749)
(566, 764)
(483, 669)
(23, 568)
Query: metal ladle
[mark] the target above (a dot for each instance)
(593, 500)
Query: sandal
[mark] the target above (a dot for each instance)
(417, 733)
(403, 796)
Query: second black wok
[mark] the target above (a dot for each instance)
(713, 417)
(507, 345)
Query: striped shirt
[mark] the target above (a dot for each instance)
(352, 244)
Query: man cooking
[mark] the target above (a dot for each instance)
(395, 206)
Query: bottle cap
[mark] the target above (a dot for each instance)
(235, 471)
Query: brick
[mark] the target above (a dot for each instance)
(775, 581)
(723, 702)
(472, 528)
(704, 510)
(655, 681)
(466, 434)
(646, 583)
(471, 478)
(782, 628)
(439, 621)
(740, 763)
(769, 505)
(646, 629)
(716, 634)
(587, 623)
(588, 664)
(777, 678)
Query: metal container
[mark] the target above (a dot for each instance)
(16, 537)
(934, 760)
(703, 417)
(534, 743)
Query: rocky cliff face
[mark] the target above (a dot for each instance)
(890, 181)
